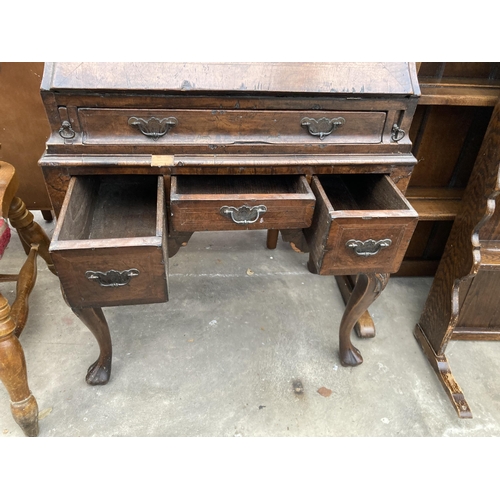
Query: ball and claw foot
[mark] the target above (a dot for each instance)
(99, 372)
(350, 357)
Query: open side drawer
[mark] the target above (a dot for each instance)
(227, 202)
(362, 223)
(109, 243)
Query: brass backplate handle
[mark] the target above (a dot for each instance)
(112, 278)
(153, 127)
(244, 214)
(66, 131)
(397, 133)
(323, 126)
(368, 248)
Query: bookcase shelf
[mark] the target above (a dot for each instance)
(447, 131)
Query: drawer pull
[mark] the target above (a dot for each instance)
(397, 133)
(322, 127)
(112, 277)
(244, 214)
(66, 131)
(153, 128)
(368, 247)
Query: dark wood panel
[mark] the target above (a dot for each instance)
(24, 128)
(464, 70)
(439, 147)
(235, 185)
(419, 240)
(126, 207)
(481, 305)
(417, 267)
(461, 258)
(80, 204)
(359, 77)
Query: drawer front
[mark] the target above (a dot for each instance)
(112, 276)
(357, 245)
(109, 246)
(228, 127)
(347, 239)
(219, 203)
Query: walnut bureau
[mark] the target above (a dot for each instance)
(141, 155)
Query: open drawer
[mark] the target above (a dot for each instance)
(227, 202)
(362, 223)
(109, 243)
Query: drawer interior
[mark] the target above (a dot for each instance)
(361, 192)
(114, 206)
(239, 184)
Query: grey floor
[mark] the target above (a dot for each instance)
(220, 358)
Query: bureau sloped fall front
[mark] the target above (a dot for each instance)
(141, 155)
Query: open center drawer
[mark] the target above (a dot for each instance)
(362, 223)
(227, 202)
(109, 243)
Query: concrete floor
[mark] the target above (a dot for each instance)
(221, 357)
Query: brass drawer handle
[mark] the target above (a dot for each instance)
(397, 133)
(112, 278)
(243, 214)
(368, 247)
(322, 127)
(153, 128)
(66, 131)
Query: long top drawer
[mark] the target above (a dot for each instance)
(180, 126)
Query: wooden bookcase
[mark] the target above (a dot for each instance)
(447, 131)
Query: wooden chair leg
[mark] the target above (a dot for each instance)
(25, 284)
(29, 231)
(13, 374)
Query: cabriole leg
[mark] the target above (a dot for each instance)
(364, 327)
(368, 287)
(93, 318)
